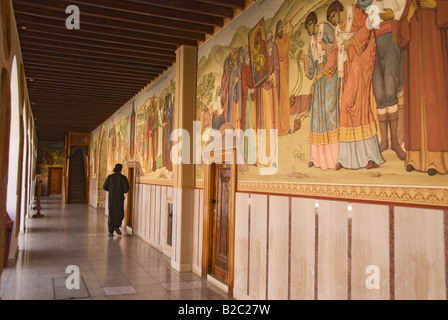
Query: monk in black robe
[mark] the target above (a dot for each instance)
(117, 185)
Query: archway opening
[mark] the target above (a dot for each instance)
(15, 165)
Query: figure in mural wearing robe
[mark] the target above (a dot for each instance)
(283, 42)
(267, 107)
(154, 133)
(112, 144)
(160, 143)
(387, 76)
(324, 111)
(148, 137)
(248, 110)
(235, 90)
(167, 129)
(353, 57)
(217, 110)
(225, 82)
(423, 34)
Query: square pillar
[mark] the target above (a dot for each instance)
(184, 173)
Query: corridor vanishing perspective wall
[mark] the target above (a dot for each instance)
(18, 139)
(351, 200)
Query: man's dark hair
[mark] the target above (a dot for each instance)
(334, 6)
(312, 17)
(118, 168)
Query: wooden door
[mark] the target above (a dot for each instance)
(220, 206)
(55, 180)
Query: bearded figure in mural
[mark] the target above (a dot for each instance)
(283, 41)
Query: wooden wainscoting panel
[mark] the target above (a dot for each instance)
(370, 248)
(278, 260)
(302, 249)
(241, 244)
(419, 254)
(333, 250)
(157, 215)
(258, 247)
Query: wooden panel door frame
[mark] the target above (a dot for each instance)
(207, 242)
(50, 180)
(130, 203)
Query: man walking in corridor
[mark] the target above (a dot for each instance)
(117, 185)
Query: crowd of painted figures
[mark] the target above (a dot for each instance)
(402, 54)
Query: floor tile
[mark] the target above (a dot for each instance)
(118, 268)
(117, 291)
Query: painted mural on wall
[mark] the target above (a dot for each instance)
(140, 131)
(357, 91)
(118, 138)
(49, 154)
(153, 126)
(94, 154)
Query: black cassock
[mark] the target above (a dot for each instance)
(117, 185)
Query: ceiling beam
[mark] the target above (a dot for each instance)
(105, 83)
(57, 61)
(56, 97)
(156, 33)
(190, 6)
(92, 61)
(236, 4)
(120, 15)
(137, 8)
(47, 86)
(92, 31)
(30, 34)
(82, 52)
(112, 52)
(28, 27)
(32, 68)
(86, 87)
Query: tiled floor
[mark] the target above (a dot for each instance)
(122, 267)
